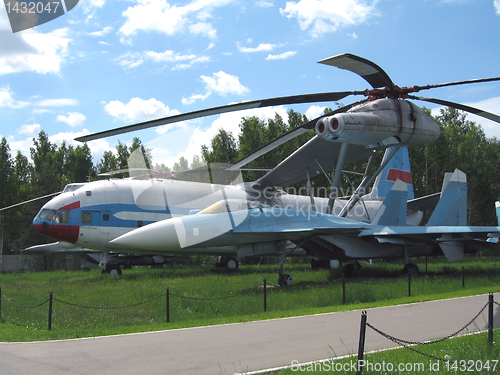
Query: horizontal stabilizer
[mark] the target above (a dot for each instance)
(393, 209)
(452, 207)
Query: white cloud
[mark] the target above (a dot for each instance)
(496, 4)
(195, 97)
(56, 102)
(321, 16)
(6, 99)
(223, 84)
(72, 119)
(314, 111)
(89, 5)
(281, 56)
(103, 32)
(260, 48)
(132, 60)
(137, 110)
(264, 4)
(204, 29)
(32, 129)
(160, 16)
(31, 51)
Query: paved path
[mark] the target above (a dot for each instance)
(226, 349)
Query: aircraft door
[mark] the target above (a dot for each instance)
(89, 227)
(105, 227)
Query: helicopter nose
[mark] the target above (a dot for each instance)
(163, 235)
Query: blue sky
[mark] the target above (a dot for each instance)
(113, 63)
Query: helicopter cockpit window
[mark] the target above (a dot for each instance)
(62, 217)
(51, 216)
(43, 213)
(72, 187)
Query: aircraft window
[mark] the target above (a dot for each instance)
(62, 217)
(72, 187)
(86, 217)
(51, 215)
(105, 217)
(43, 213)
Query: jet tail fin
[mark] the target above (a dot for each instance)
(497, 207)
(393, 209)
(397, 169)
(452, 207)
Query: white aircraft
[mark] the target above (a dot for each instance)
(90, 215)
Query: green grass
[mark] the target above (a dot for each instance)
(466, 355)
(313, 292)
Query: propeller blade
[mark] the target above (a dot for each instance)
(480, 80)
(462, 107)
(296, 99)
(288, 136)
(368, 70)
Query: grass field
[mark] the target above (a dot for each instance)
(204, 295)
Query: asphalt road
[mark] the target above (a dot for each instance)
(231, 348)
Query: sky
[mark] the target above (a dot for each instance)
(109, 63)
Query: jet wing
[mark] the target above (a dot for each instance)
(315, 155)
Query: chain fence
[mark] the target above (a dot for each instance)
(408, 344)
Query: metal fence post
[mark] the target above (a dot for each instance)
(361, 347)
(265, 295)
(490, 319)
(409, 283)
(50, 311)
(463, 277)
(343, 288)
(0, 302)
(168, 305)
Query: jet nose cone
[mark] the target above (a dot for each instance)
(165, 235)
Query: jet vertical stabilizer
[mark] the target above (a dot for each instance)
(393, 210)
(497, 208)
(451, 209)
(397, 169)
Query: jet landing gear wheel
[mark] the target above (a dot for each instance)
(285, 279)
(411, 268)
(112, 270)
(229, 262)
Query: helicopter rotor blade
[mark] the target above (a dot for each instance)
(462, 107)
(284, 100)
(371, 72)
(28, 201)
(480, 80)
(288, 136)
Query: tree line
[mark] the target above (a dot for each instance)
(463, 144)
